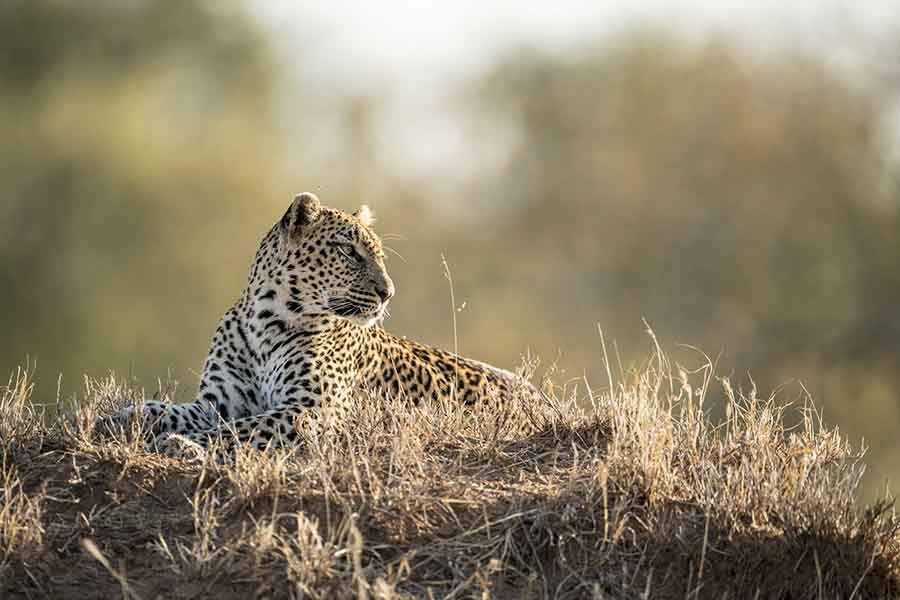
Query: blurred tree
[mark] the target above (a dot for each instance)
(135, 137)
(714, 194)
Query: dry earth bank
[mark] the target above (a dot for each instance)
(637, 496)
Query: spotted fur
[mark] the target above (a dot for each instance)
(302, 336)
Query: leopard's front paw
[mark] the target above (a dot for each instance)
(182, 447)
(142, 420)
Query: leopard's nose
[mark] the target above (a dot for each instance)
(385, 292)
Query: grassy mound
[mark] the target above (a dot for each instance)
(638, 496)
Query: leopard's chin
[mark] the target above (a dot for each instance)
(364, 322)
(368, 318)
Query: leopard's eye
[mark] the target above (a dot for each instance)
(347, 251)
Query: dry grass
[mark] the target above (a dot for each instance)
(638, 496)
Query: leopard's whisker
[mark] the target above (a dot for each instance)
(397, 254)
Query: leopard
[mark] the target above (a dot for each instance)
(307, 333)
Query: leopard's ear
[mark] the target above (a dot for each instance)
(303, 212)
(366, 215)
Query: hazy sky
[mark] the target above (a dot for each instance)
(409, 54)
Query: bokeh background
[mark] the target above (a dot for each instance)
(726, 170)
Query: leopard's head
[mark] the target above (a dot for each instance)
(321, 260)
